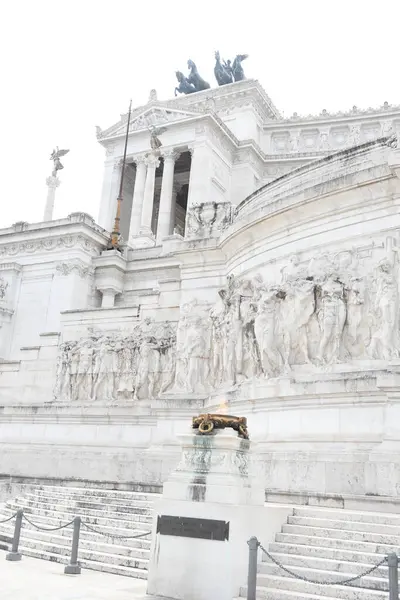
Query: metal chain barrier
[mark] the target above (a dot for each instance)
(318, 581)
(114, 535)
(48, 528)
(9, 518)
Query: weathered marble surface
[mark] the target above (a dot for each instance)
(280, 303)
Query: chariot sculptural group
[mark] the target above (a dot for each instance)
(225, 72)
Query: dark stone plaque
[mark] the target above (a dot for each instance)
(206, 529)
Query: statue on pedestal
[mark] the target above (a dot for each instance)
(55, 157)
(53, 182)
(155, 141)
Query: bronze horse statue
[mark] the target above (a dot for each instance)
(195, 79)
(237, 69)
(185, 87)
(223, 72)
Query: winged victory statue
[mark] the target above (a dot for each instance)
(55, 157)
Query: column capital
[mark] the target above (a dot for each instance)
(117, 164)
(170, 155)
(139, 159)
(52, 182)
(152, 161)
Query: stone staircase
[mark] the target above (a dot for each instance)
(109, 511)
(329, 545)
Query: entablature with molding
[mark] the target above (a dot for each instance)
(77, 231)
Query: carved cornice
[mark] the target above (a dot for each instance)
(50, 244)
(10, 266)
(385, 110)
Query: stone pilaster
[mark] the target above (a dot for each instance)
(200, 173)
(108, 203)
(109, 276)
(166, 215)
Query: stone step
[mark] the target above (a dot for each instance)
(347, 515)
(65, 492)
(342, 534)
(344, 592)
(349, 525)
(141, 514)
(134, 550)
(93, 500)
(109, 558)
(58, 518)
(43, 508)
(279, 594)
(338, 554)
(326, 564)
(336, 543)
(85, 564)
(369, 582)
(104, 532)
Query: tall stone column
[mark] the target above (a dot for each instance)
(148, 202)
(167, 210)
(175, 189)
(52, 183)
(138, 196)
(108, 203)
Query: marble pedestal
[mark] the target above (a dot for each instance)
(214, 480)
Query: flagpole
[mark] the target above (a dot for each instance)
(116, 233)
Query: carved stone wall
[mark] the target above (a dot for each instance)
(333, 308)
(107, 367)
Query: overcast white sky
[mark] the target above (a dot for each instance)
(68, 66)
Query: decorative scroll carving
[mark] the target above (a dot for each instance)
(107, 367)
(49, 244)
(66, 268)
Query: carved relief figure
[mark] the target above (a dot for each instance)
(385, 311)
(331, 314)
(298, 308)
(355, 339)
(217, 343)
(192, 348)
(265, 329)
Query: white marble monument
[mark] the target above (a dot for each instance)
(259, 272)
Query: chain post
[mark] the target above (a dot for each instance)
(74, 568)
(14, 555)
(252, 573)
(393, 563)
